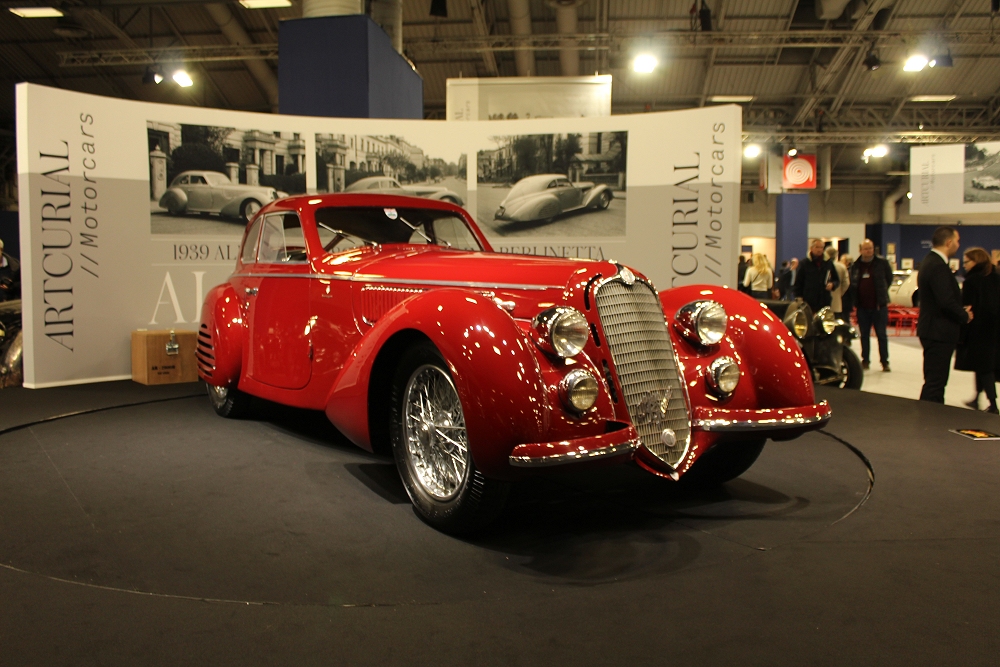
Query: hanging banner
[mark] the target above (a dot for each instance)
(523, 97)
(955, 178)
(130, 212)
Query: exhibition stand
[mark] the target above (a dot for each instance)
(165, 531)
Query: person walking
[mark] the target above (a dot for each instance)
(741, 272)
(816, 278)
(759, 278)
(836, 296)
(870, 279)
(977, 344)
(787, 279)
(941, 313)
(847, 300)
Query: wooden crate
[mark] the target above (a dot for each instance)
(164, 357)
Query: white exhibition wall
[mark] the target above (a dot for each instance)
(101, 258)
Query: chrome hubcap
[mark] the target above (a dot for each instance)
(437, 445)
(218, 395)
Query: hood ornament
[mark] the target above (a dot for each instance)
(626, 275)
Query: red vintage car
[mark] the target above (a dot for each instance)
(473, 368)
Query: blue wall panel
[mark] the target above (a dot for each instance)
(791, 237)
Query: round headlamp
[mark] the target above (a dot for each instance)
(562, 331)
(578, 390)
(798, 323)
(702, 322)
(723, 376)
(826, 319)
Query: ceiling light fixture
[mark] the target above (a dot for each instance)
(182, 79)
(265, 4)
(152, 75)
(792, 152)
(731, 99)
(439, 8)
(915, 63)
(944, 60)
(872, 62)
(36, 12)
(933, 98)
(909, 195)
(878, 151)
(644, 63)
(751, 151)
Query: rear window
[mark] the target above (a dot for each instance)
(344, 228)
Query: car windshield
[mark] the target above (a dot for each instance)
(343, 228)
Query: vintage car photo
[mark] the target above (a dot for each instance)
(390, 186)
(982, 172)
(473, 369)
(553, 185)
(212, 192)
(986, 183)
(545, 196)
(202, 177)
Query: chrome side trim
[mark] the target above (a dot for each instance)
(400, 281)
(736, 426)
(572, 457)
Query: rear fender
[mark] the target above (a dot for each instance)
(590, 196)
(220, 337)
(492, 363)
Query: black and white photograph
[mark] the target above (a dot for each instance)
(212, 180)
(387, 165)
(982, 172)
(566, 185)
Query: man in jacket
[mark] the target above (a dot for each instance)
(870, 279)
(816, 278)
(941, 313)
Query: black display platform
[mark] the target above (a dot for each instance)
(162, 534)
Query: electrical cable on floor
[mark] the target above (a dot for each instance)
(89, 411)
(868, 465)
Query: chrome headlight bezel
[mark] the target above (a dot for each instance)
(826, 320)
(577, 388)
(798, 324)
(699, 322)
(723, 376)
(562, 331)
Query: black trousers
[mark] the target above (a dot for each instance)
(987, 382)
(937, 364)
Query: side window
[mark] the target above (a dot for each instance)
(376, 185)
(198, 180)
(455, 233)
(281, 240)
(553, 184)
(250, 243)
(183, 180)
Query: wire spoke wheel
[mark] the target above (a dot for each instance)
(437, 445)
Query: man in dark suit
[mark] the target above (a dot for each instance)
(816, 278)
(941, 313)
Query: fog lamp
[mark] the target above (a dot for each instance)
(562, 331)
(723, 376)
(578, 390)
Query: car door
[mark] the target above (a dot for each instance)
(280, 324)
(199, 193)
(569, 196)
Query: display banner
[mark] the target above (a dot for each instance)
(130, 211)
(521, 97)
(955, 178)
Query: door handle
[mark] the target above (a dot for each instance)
(251, 291)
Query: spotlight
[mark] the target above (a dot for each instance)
(872, 62)
(644, 63)
(909, 195)
(792, 152)
(439, 8)
(36, 12)
(705, 17)
(915, 63)
(183, 79)
(152, 76)
(878, 151)
(944, 60)
(751, 151)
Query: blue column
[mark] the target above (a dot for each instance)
(791, 230)
(344, 66)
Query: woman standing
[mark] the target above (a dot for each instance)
(837, 295)
(759, 277)
(977, 346)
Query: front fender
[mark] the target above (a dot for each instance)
(493, 364)
(591, 195)
(174, 196)
(220, 337)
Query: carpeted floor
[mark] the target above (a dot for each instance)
(161, 534)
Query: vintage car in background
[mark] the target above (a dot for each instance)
(986, 183)
(11, 344)
(903, 291)
(473, 368)
(390, 186)
(826, 342)
(212, 192)
(545, 196)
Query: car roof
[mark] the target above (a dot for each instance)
(348, 199)
(542, 177)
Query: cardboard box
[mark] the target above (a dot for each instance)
(163, 357)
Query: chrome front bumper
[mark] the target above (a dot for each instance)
(775, 419)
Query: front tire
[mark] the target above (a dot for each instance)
(604, 200)
(228, 402)
(431, 448)
(723, 462)
(852, 373)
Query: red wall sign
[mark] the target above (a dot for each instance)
(799, 172)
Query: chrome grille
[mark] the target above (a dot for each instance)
(637, 336)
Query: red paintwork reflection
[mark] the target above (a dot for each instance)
(317, 333)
